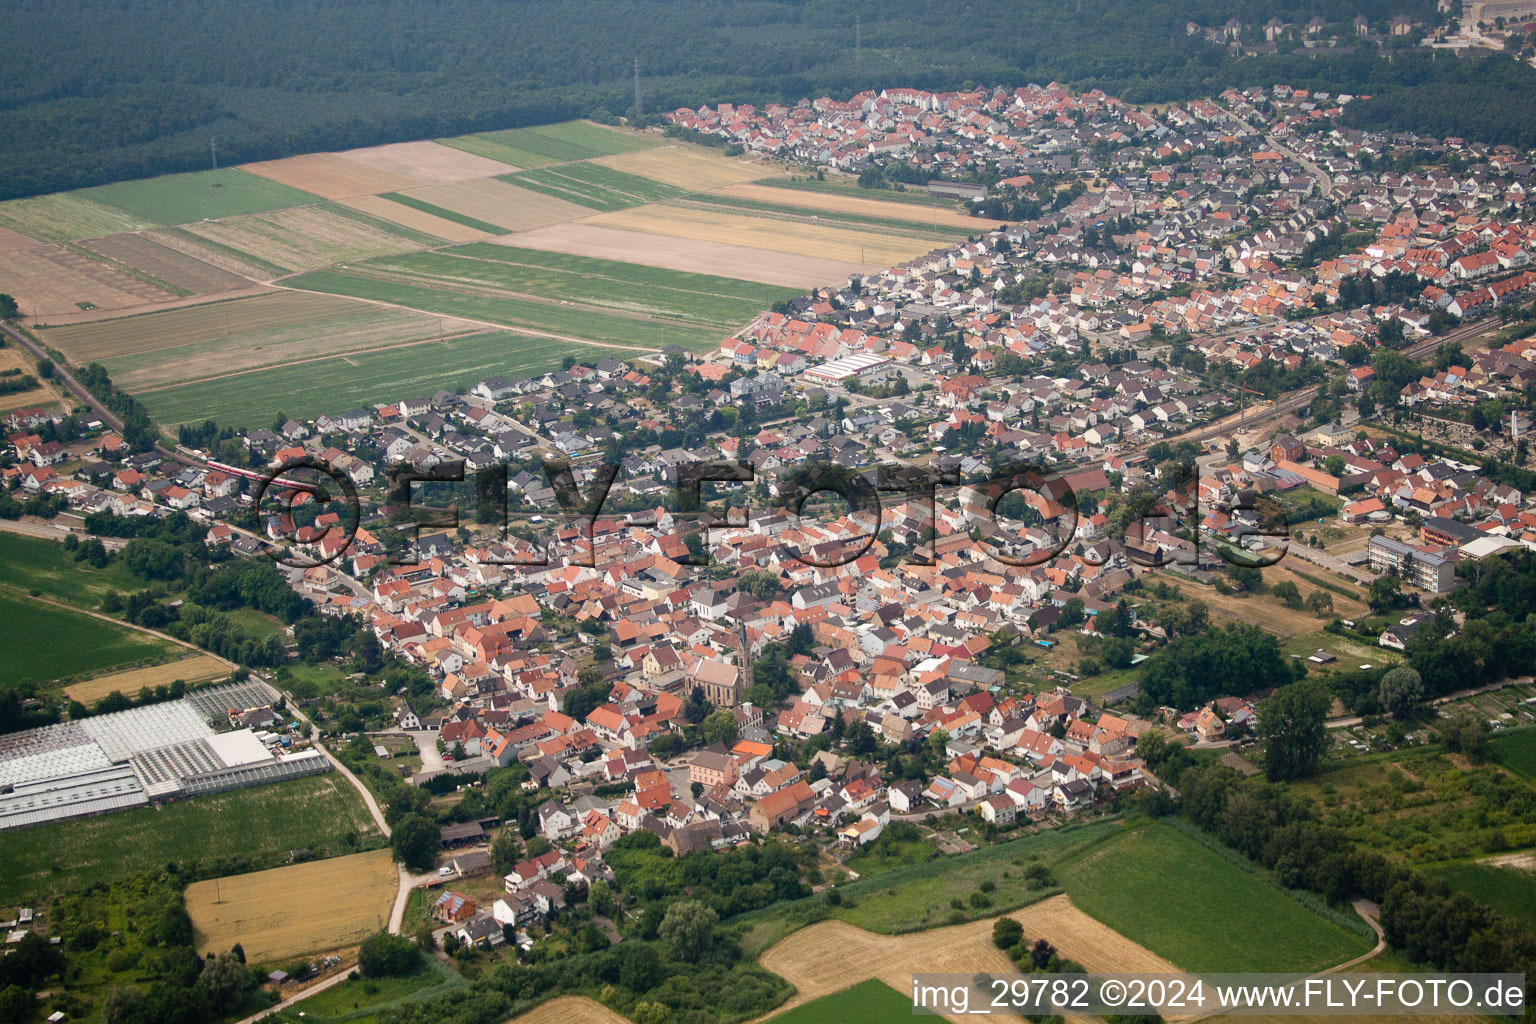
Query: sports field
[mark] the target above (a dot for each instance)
(1160, 888)
(550, 144)
(335, 383)
(295, 910)
(241, 830)
(45, 642)
(199, 668)
(698, 298)
(570, 322)
(183, 198)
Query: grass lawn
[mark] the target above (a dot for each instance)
(184, 198)
(33, 563)
(571, 322)
(1516, 751)
(45, 642)
(868, 1002)
(243, 830)
(332, 385)
(1509, 890)
(1161, 888)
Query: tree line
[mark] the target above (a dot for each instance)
(143, 87)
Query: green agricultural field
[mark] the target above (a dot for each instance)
(623, 287)
(830, 218)
(570, 322)
(446, 214)
(66, 217)
(33, 563)
(1516, 751)
(230, 833)
(45, 642)
(868, 1002)
(1161, 888)
(1511, 890)
(593, 186)
(550, 144)
(184, 198)
(363, 378)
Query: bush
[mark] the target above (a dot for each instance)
(384, 955)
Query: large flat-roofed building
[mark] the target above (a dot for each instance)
(132, 758)
(1430, 570)
(861, 366)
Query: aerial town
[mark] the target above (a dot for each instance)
(1223, 373)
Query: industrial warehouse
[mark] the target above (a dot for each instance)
(131, 758)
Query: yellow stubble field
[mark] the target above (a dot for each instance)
(848, 245)
(687, 168)
(295, 910)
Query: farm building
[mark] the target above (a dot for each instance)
(132, 758)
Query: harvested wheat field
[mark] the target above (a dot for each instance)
(64, 217)
(909, 212)
(571, 1010)
(52, 279)
(848, 245)
(10, 241)
(197, 669)
(687, 168)
(307, 237)
(329, 175)
(12, 358)
(149, 332)
(497, 202)
(296, 910)
(830, 956)
(686, 254)
(195, 343)
(430, 163)
(415, 220)
(176, 268)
